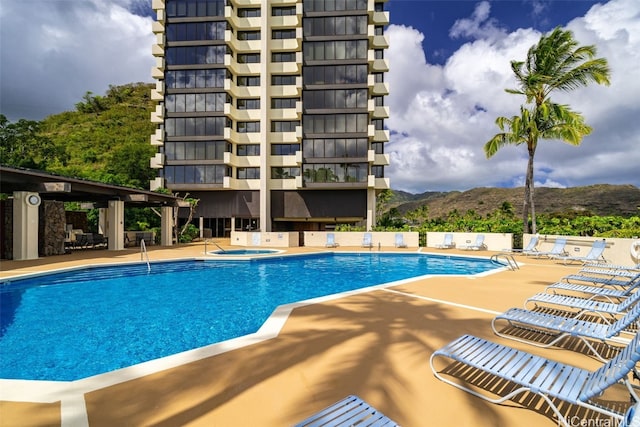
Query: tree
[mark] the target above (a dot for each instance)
(22, 145)
(549, 121)
(556, 62)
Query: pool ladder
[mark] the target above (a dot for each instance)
(507, 260)
(217, 245)
(144, 254)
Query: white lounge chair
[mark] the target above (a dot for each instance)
(478, 245)
(400, 241)
(540, 376)
(447, 243)
(367, 240)
(557, 250)
(594, 255)
(331, 241)
(348, 412)
(530, 249)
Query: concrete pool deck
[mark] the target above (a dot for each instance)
(375, 344)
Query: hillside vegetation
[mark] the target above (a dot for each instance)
(105, 139)
(602, 200)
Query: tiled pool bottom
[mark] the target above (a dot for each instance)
(100, 319)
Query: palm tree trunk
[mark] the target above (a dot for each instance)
(525, 209)
(530, 190)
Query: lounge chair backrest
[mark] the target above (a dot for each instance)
(479, 240)
(559, 245)
(629, 301)
(331, 238)
(448, 239)
(596, 250)
(625, 321)
(532, 244)
(399, 239)
(612, 371)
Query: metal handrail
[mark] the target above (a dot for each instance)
(509, 259)
(143, 254)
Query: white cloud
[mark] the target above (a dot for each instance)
(53, 52)
(441, 116)
(480, 25)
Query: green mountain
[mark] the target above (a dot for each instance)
(602, 200)
(105, 139)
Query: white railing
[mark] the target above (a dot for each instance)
(144, 254)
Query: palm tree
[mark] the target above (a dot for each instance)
(555, 63)
(550, 121)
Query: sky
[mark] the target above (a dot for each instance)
(449, 68)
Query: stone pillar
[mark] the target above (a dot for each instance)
(52, 233)
(115, 225)
(25, 225)
(166, 226)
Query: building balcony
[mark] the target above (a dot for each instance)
(241, 46)
(379, 65)
(286, 67)
(285, 114)
(283, 137)
(381, 136)
(299, 158)
(157, 138)
(241, 24)
(252, 69)
(381, 112)
(241, 137)
(382, 184)
(157, 27)
(245, 3)
(289, 91)
(284, 3)
(156, 184)
(241, 115)
(379, 18)
(377, 41)
(283, 161)
(380, 89)
(287, 45)
(381, 160)
(157, 116)
(157, 161)
(157, 94)
(157, 4)
(285, 21)
(157, 73)
(160, 63)
(240, 184)
(241, 91)
(241, 161)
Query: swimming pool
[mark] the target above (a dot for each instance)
(72, 325)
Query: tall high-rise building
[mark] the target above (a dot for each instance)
(271, 112)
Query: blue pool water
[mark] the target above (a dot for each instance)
(73, 325)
